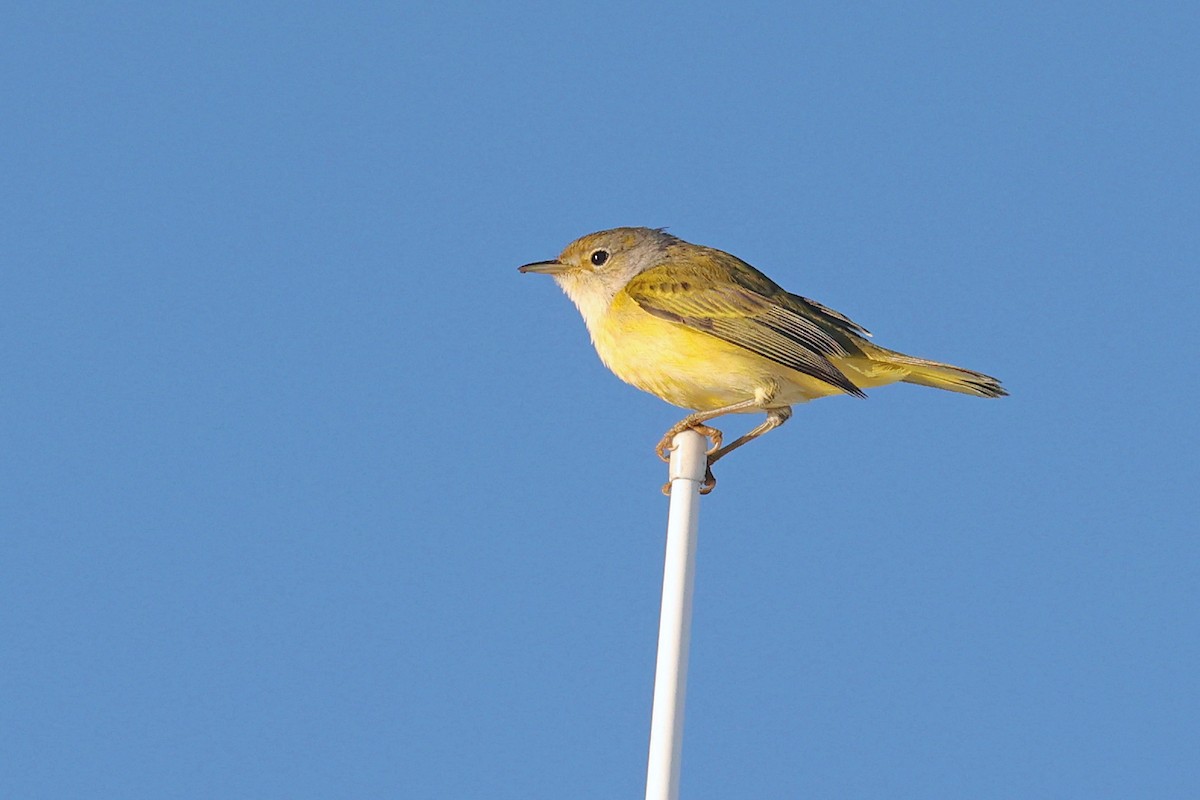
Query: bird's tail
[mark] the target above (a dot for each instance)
(938, 375)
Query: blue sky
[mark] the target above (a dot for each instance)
(307, 493)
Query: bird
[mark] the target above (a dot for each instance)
(707, 332)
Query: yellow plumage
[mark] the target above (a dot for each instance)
(688, 368)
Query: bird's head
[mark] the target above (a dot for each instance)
(593, 268)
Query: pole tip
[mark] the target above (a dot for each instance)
(689, 457)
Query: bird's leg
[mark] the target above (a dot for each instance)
(775, 418)
(696, 422)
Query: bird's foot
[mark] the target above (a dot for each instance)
(667, 443)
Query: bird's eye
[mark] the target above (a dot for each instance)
(599, 257)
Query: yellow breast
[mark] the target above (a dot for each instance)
(688, 368)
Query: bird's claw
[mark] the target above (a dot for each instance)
(667, 443)
(714, 435)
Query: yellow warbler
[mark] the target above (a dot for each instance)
(706, 331)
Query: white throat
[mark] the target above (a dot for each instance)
(589, 294)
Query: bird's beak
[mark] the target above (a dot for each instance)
(544, 267)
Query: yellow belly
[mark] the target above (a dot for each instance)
(691, 369)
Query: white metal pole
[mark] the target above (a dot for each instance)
(688, 464)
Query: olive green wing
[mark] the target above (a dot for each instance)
(722, 296)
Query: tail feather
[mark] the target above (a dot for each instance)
(924, 372)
